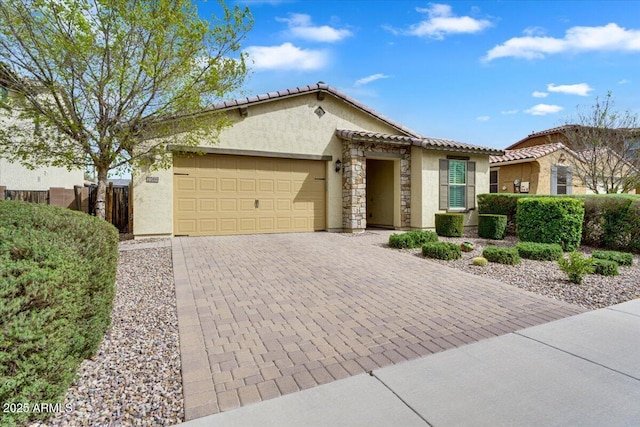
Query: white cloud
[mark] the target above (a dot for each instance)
(507, 112)
(286, 57)
(483, 118)
(581, 89)
(300, 26)
(623, 82)
(538, 94)
(442, 22)
(371, 78)
(610, 37)
(543, 109)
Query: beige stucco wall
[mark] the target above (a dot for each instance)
(288, 126)
(425, 169)
(14, 176)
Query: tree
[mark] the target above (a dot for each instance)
(605, 143)
(94, 76)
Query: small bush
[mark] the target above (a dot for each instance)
(412, 239)
(501, 255)
(620, 258)
(492, 226)
(442, 250)
(551, 220)
(576, 266)
(420, 237)
(450, 224)
(604, 267)
(400, 241)
(539, 251)
(57, 277)
(480, 261)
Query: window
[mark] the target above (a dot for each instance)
(561, 180)
(457, 185)
(493, 182)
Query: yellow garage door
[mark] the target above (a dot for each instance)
(225, 194)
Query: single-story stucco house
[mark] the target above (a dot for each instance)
(538, 169)
(309, 159)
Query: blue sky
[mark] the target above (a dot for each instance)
(482, 72)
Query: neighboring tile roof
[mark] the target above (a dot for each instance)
(304, 90)
(426, 143)
(529, 153)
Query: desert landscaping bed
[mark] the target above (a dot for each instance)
(545, 277)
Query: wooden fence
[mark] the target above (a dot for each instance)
(117, 206)
(118, 201)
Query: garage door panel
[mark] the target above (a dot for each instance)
(218, 196)
(185, 183)
(207, 184)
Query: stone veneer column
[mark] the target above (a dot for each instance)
(354, 188)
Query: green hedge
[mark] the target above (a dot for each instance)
(620, 258)
(604, 267)
(501, 255)
(450, 224)
(442, 250)
(551, 220)
(57, 284)
(412, 239)
(492, 226)
(611, 221)
(539, 251)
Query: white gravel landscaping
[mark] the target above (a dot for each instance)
(135, 378)
(546, 278)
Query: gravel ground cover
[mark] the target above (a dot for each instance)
(135, 378)
(546, 278)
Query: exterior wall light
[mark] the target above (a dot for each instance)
(338, 165)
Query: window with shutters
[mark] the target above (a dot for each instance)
(457, 185)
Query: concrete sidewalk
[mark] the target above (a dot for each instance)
(582, 370)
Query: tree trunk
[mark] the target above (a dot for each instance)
(101, 193)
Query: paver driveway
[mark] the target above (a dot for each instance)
(265, 315)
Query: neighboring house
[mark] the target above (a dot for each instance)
(540, 160)
(538, 169)
(309, 159)
(14, 176)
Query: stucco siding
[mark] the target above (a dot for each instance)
(14, 176)
(285, 126)
(430, 187)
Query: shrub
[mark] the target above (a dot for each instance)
(442, 250)
(492, 226)
(401, 241)
(612, 221)
(480, 261)
(576, 266)
(501, 255)
(604, 267)
(412, 239)
(501, 204)
(420, 237)
(539, 251)
(551, 220)
(57, 277)
(620, 258)
(450, 224)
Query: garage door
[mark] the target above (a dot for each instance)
(225, 194)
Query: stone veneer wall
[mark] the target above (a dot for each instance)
(354, 183)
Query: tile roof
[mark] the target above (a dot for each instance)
(314, 88)
(424, 142)
(528, 153)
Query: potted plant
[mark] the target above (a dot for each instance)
(466, 246)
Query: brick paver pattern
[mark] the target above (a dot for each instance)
(267, 315)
